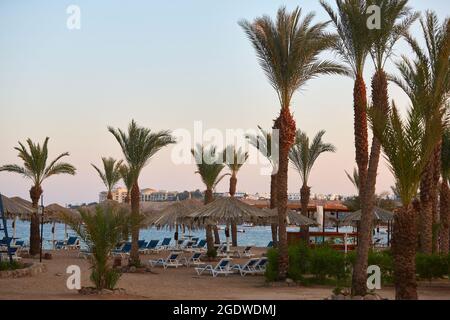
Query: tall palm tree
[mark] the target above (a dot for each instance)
(303, 155)
(37, 169)
(139, 145)
(408, 145)
(263, 143)
(444, 211)
(288, 51)
(396, 20)
(238, 158)
(353, 46)
(127, 177)
(110, 174)
(209, 167)
(426, 81)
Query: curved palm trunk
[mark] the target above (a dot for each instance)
(208, 228)
(305, 192)
(135, 199)
(404, 251)
(445, 217)
(273, 204)
(380, 100)
(286, 124)
(233, 183)
(35, 194)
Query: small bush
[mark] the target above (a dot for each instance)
(272, 265)
(299, 261)
(327, 262)
(6, 265)
(432, 266)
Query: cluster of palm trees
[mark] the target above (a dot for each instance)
(288, 51)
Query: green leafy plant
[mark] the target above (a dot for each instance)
(432, 266)
(6, 265)
(101, 230)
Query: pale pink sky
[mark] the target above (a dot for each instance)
(133, 62)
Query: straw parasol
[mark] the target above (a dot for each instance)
(16, 209)
(293, 217)
(173, 215)
(379, 215)
(226, 211)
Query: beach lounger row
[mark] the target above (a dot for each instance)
(225, 267)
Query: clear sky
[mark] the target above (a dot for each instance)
(166, 64)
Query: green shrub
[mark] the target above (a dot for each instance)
(271, 273)
(327, 262)
(299, 260)
(431, 266)
(6, 265)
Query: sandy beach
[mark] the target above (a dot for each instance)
(176, 284)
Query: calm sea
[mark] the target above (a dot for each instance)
(257, 236)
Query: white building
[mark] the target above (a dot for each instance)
(293, 196)
(118, 194)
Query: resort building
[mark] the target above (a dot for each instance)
(119, 195)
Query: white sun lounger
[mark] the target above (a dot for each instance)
(248, 267)
(170, 261)
(193, 260)
(223, 267)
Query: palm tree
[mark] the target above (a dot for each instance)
(263, 143)
(408, 146)
(288, 51)
(426, 82)
(353, 46)
(111, 175)
(101, 230)
(139, 145)
(127, 177)
(209, 167)
(444, 212)
(238, 158)
(37, 169)
(396, 20)
(303, 155)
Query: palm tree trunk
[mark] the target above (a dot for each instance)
(109, 196)
(404, 251)
(380, 100)
(435, 197)
(273, 204)
(305, 192)
(286, 124)
(208, 229)
(426, 214)
(216, 235)
(445, 217)
(135, 199)
(233, 183)
(35, 194)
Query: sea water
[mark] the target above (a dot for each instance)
(258, 236)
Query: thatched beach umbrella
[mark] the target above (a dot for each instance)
(227, 211)
(293, 217)
(55, 213)
(173, 215)
(379, 215)
(16, 209)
